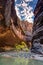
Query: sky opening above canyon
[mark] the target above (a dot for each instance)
(25, 9)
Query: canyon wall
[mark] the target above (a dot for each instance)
(38, 23)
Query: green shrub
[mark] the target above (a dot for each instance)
(21, 46)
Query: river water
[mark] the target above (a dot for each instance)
(18, 58)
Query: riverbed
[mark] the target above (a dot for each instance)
(18, 58)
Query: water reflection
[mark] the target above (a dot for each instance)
(18, 61)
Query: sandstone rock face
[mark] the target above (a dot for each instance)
(8, 38)
(7, 11)
(38, 23)
(11, 33)
(27, 26)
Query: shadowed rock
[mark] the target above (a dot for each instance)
(37, 37)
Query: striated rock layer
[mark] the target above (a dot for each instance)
(7, 11)
(38, 23)
(11, 30)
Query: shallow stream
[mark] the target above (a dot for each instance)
(13, 58)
